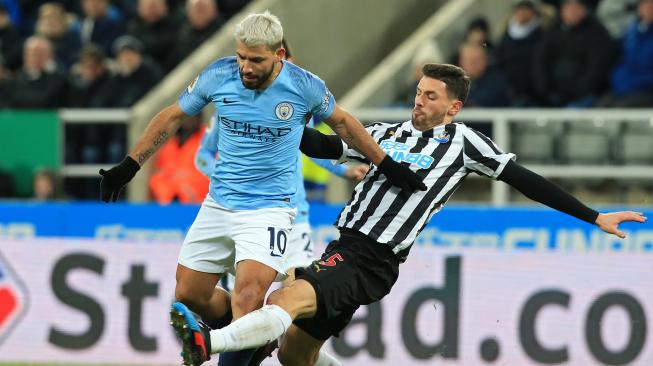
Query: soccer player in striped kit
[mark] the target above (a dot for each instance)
(381, 221)
(243, 226)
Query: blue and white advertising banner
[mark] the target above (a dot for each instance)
(92, 283)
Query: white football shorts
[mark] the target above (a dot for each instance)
(300, 250)
(220, 238)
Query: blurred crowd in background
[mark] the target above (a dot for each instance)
(97, 53)
(110, 53)
(565, 53)
(103, 54)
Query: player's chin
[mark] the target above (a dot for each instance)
(251, 82)
(254, 84)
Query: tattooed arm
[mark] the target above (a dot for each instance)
(162, 126)
(157, 132)
(350, 129)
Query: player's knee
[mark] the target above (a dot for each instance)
(247, 299)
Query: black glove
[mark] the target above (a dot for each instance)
(114, 180)
(401, 176)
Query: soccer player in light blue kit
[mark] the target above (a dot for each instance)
(262, 103)
(299, 251)
(300, 248)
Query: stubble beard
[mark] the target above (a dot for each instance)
(425, 123)
(260, 80)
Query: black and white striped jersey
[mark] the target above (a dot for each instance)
(442, 156)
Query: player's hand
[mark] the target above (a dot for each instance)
(609, 222)
(356, 173)
(114, 180)
(401, 176)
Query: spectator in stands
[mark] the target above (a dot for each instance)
(40, 83)
(175, 177)
(632, 77)
(89, 86)
(488, 88)
(46, 185)
(203, 20)
(616, 15)
(154, 28)
(12, 9)
(428, 52)
(514, 53)
(98, 25)
(136, 73)
(478, 32)
(10, 42)
(573, 60)
(558, 3)
(52, 24)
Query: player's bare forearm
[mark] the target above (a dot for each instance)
(163, 125)
(355, 136)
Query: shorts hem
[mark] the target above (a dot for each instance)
(281, 273)
(212, 269)
(299, 264)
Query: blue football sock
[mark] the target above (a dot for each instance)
(238, 358)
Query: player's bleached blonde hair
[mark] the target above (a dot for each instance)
(260, 29)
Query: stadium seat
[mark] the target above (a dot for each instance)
(635, 144)
(587, 142)
(535, 142)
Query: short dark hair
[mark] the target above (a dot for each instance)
(92, 52)
(456, 79)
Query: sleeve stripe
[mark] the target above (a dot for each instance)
(487, 141)
(473, 153)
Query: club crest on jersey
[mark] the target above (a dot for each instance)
(13, 299)
(284, 111)
(442, 138)
(326, 100)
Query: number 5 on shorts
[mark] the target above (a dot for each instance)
(277, 242)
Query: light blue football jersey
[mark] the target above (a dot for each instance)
(258, 132)
(205, 161)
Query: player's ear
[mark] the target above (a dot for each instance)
(455, 107)
(280, 53)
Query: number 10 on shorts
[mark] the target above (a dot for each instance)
(278, 241)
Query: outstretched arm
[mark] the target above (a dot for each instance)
(157, 132)
(315, 144)
(163, 125)
(354, 135)
(546, 192)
